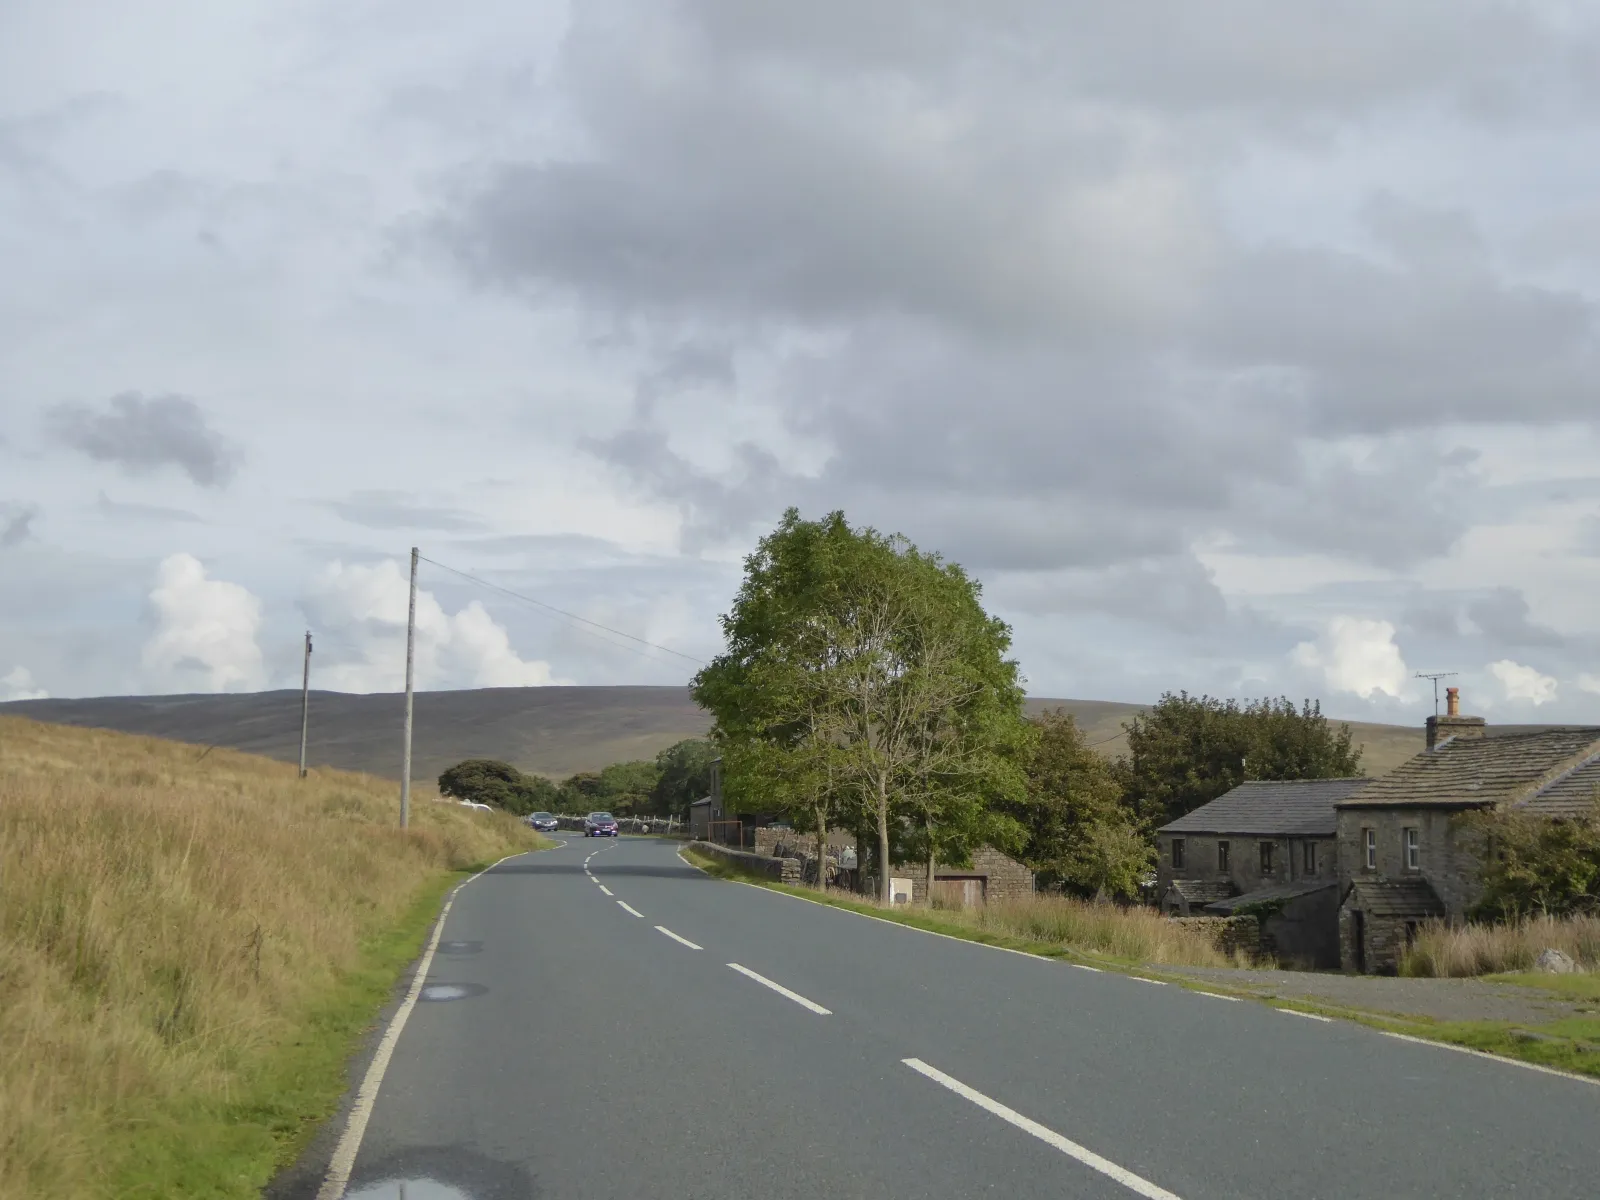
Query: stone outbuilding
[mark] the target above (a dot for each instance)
(1299, 921)
(1405, 853)
(992, 876)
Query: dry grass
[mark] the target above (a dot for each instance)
(1466, 950)
(169, 922)
(1138, 935)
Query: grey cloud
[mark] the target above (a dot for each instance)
(16, 523)
(398, 510)
(132, 510)
(143, 433)
(1502, 616)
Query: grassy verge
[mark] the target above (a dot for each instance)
(1442, 950)
(1569, 1045)
(191, 943)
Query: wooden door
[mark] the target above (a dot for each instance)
(958, 891)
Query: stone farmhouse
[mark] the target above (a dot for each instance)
(1342, 872)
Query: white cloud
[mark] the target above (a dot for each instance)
(361, 611)
(1589, 683)
(1523, 683)
(1356, 654)
(206, 630)
(18, 685)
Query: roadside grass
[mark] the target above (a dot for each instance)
(1570, 1045)
(191, 945)
(1443, 951)
(1053, 926)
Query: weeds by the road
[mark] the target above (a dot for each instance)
(1045, 924)
(1464, 950)
(190, 942)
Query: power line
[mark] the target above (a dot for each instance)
(563, 612)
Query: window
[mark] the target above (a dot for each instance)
(1413, 850)
(1266, 857)
(1177, 854)
(1222, 856)
(1370, 837)
(1309, 858)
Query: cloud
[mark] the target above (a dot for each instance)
(143, 433)
(132, 510)
(380, 509)
(18, 684)
(1524, 684)
(1589, 683)
(16, 522)
(206, 629)
(359, 610)
(1356, 654)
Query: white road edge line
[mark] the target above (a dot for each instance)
(1214, 995)
(685, 941)
(1049, 1137)
(1295, 1012)
(628, 907)
(344, 1152)
(1084, 967)
(1144, 979)
(1500, 1058)
(783, 991)
(607, 890)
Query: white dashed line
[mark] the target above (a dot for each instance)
(1143, 979)
(1295, 1012)
(1214, 995)
(1049, 1137)
(1082, 967)
(683, 940)
(606, 890)
(629, 908)
(782, 991)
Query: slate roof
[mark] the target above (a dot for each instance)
(1203, 891)
(1282, 891)
(1412, 899)
(1471, 771)
(1574, 794)
(1273, 808)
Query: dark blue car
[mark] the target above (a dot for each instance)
(599, 824)
(544, 822)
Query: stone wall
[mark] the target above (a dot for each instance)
(779, 870)
(1450, 860)
(1227, 934)
(1004, 878)
(770, 838)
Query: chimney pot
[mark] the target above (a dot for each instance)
(1452, 701)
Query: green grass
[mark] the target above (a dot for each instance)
(234, 1148)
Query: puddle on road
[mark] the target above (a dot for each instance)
(450, 991)
(409, 1189)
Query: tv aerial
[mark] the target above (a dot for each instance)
(1436, 676)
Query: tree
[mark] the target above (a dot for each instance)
(489, 781)
(1079, 835)
(1188, 750)
(624, 787)
(1537, 865)
(685, 776)
(870, 671)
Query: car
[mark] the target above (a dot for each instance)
(599, 824)
(544, 822)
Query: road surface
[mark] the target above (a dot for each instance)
(602, 1022)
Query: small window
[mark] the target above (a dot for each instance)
(1222, 856)
(1177, 854)
(1413, 850)
(1266, 857)
(1309, 858)
(1370, 837)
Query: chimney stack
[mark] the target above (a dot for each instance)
(1453, 724)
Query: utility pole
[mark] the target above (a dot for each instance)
(411, 653)
(305, 703)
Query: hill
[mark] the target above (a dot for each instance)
(553, 731)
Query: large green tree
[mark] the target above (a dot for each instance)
(1188, 750)
(1535, 865)
(489, 781)
(1080, 835)
(684, 776)
(861, 672)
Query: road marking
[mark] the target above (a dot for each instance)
(1295, 1012)
(630, 908)
(1499, 1058)
(344, 1153)
(685, 941)
(1214, 995)
(1050, 1137)
(783, 991)
(606, 890)
(1081, 967)
(1143, 979)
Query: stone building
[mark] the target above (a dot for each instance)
(992, 876)
(1406, 856)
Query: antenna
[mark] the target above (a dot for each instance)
(1435, 676)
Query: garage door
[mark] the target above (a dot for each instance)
(958, 891)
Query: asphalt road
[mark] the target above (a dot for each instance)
(566, 1047)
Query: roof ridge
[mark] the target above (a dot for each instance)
(1562, 777)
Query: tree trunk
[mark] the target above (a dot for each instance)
(822, 846)
(927, 826)
(885, 887)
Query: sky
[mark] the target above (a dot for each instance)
(1241, 348)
